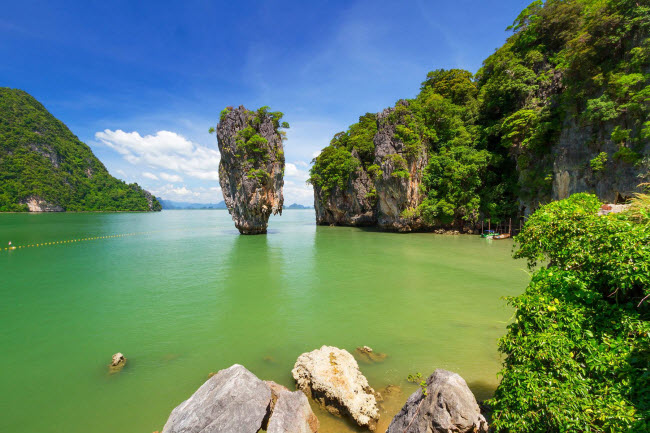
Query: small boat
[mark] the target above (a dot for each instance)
(501, 236)
(488, 234)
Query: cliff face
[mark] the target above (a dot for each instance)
(351, 206)
(617, 180)
(44, 167)
(398, 186)
(252, 166)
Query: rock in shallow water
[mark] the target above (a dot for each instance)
(448, 407)
(233, 400)
(252, 167)
(331, 376)
(292, 414)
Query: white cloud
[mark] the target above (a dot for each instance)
(166, 150)
(170, 177)
(298, 192)
(149, 175)
(189, 194)
(291, 170)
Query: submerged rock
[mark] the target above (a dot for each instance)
(331, 376)
(252, 166)
(235, 400)
(367, 355)
(448, 407)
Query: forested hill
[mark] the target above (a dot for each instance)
(44, 166)
(562, 107)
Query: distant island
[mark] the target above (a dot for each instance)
(179, 205)
(44, 167)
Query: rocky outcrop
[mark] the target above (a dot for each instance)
(331, 376)
(235, 400)
(448, 407)
(37, 204)
(251, 168)
(386, 191)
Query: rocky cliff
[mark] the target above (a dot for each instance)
(561, 108)
(45, 168)
(252, 166)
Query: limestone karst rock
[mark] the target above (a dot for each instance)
(331, 376)
(252, 166)
(448, 407)
(384, 191)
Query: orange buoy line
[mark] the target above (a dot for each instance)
(93, 238)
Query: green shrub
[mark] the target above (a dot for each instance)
(578, 351)
(598, 163)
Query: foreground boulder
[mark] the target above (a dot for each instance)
(331, 376)
(235, 400)
(232, 400)
(448, 407)
(292, 414)
(252, 166)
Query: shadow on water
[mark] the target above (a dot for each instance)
(482, 390)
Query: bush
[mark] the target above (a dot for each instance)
(578, 351)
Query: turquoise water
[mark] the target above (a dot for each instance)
(184, 295)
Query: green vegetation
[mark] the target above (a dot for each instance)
(40, 157)
(253, 149)
(577, 356)
(598, 163)
(489, 136)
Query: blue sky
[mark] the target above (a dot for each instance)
(141, 81)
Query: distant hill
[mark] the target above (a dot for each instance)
(174, 205)
(45, 167)
(298, 206)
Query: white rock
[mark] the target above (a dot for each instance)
(331, 376)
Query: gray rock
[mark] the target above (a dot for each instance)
(292, 414)
(448, 407)
(233, 400)
(251, 177)
(331, 376)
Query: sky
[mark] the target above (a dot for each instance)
(141, 82)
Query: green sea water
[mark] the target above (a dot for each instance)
(184, 295)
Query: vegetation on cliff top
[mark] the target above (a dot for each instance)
(489, 136)
(577, 356)
(253, 148)
(40, 157)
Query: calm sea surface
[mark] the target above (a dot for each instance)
(183, 295)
